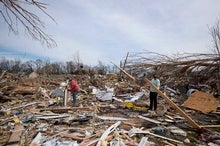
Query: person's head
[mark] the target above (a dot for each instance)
(154, 76)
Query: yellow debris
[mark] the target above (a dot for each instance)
(16, 120)
(132, 106)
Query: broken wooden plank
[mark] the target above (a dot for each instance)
(22, 106)
(52, 117)
(3, 74)
(189, 119)
(25, 89)
(107, 132)
(37, 140)
(166, 138)
(128, 138)
(66, 109)
(45, 117)
(53, 136)
(67, 135)
(137, 130)
(148, 119)
(144, 141)
(170, 117)
(130, 76)
(111, 118)
(210, 126)
(89, 143)
(167, 143)
(16, 134)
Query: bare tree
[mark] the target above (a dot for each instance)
(70, 67)
(4, 64)
(78, 61)
(215, 32)
(16, 12)
(101, 68)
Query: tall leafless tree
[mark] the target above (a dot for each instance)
(15, 12)
(215, 32)
(78, 61)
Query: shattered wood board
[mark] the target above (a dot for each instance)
(25, 89)
(201, 101)
(16, 135)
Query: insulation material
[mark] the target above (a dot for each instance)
(201, 101)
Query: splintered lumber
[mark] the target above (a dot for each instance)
(166, 138)
(37, 140)
(45, 117)
(2, 74)
(130, 76)
(137, 130)
(210, 126)
(112, 118)
(22, 106)
(144, 141)
(66, 135)
(189, 119)
(51, 137)
(150, 120)
(92, 142)
(16, 134)
(65, 109)
(25, 89)
(167, 143)
(107, 132)
(77, 138)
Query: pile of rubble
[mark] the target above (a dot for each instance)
(109, 112)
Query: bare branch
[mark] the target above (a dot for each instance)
(31, 22)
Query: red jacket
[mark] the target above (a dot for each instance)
(73, 86)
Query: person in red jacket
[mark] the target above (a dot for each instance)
(74, 89)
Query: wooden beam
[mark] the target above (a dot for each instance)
(107, 132)
(150, 120)
(210, 126)
(189, 119)
(16, 134)
(130, 76)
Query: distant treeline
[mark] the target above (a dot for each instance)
(47, 67)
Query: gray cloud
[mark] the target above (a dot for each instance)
(107, 30)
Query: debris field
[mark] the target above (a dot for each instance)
(109, 111)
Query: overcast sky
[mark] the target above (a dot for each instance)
(105, 30)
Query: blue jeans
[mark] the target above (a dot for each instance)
(74, 95)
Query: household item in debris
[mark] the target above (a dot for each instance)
(191, 91)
